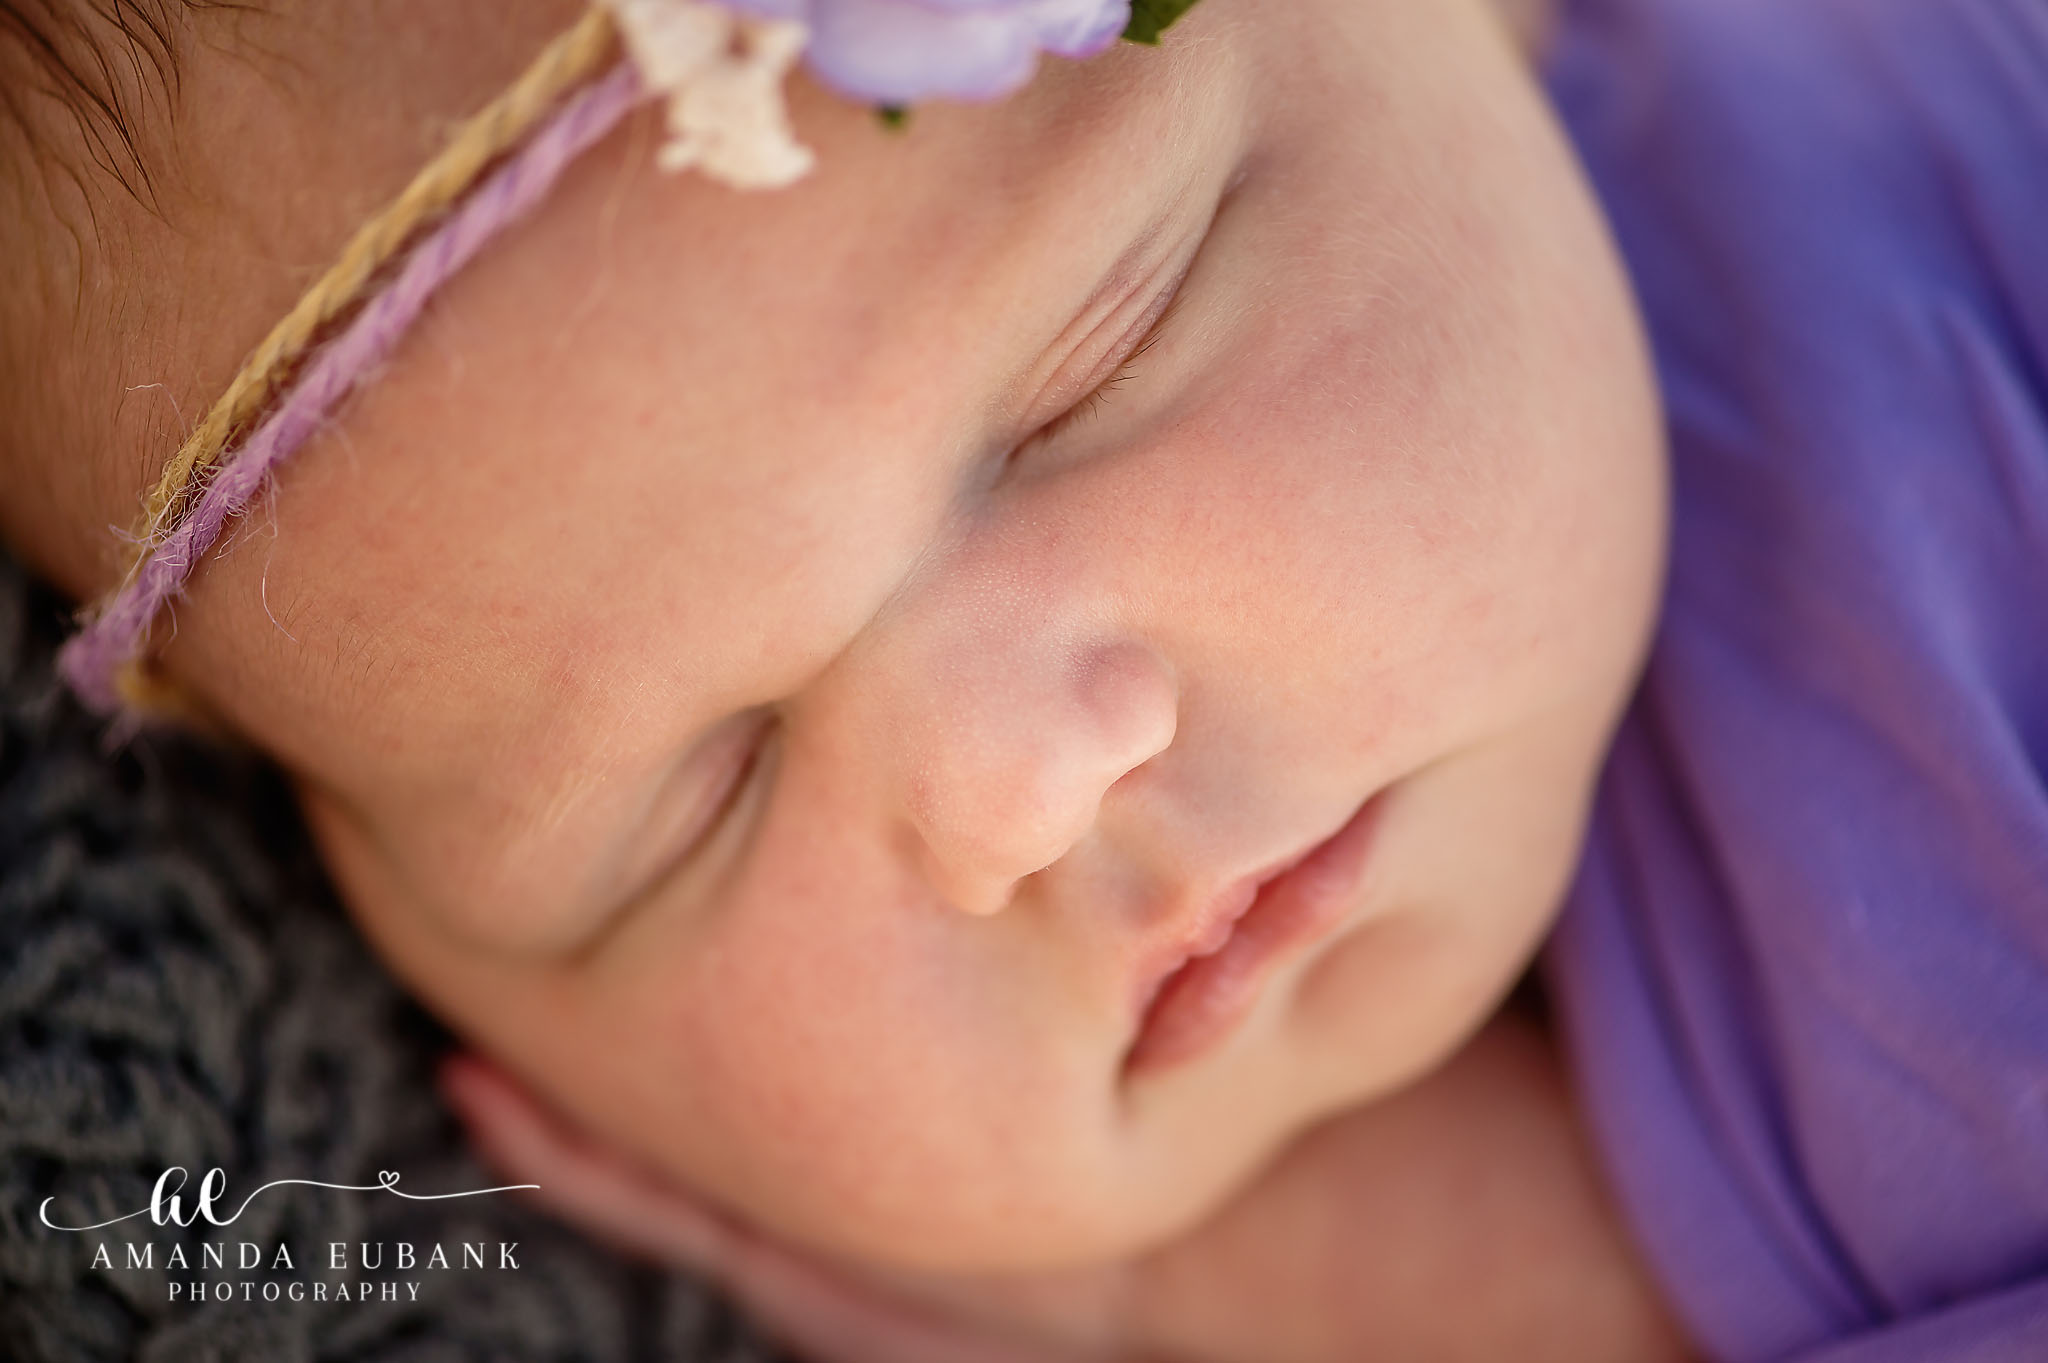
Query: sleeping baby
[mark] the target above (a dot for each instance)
(971, 657)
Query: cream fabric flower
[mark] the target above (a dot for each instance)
(721, 73)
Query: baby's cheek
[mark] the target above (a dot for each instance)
(1365, 554)
(823, 1050)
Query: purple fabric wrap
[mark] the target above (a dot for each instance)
(1802, 975)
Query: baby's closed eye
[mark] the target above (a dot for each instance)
(1092, 401)
(703, 795)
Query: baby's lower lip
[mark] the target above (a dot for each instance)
(1202, 1002)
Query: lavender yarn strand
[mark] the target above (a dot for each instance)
(88, 660)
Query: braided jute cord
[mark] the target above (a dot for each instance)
(102, 663)
(568, 61)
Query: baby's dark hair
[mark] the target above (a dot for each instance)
(85, 84)
(90, 63)
(88, 98)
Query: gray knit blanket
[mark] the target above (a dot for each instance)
(179, 988)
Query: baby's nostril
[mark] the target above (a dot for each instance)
(981, 896)
(985, 818)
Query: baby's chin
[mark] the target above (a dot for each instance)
(1001, 1217)
(996, 1226)
(1058, 1232)
(1160, 1186)
(1101, 1203)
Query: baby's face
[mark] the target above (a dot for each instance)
(742, 680)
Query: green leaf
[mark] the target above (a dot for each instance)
(894, 117)
(1150, 18)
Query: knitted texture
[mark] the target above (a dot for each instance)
(178, 987)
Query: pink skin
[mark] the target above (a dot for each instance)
(1379, 509)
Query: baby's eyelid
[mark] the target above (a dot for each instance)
(1145, 332)
(735, 773)
(1124, 372)
(730, 779)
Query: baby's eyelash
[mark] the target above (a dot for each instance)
(1100, 393)
(1096, 397)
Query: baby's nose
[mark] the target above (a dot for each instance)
(1015, 751)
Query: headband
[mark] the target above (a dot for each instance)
(718, 66)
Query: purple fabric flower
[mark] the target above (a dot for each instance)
(904, 51)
